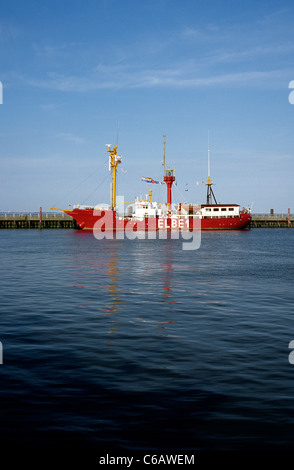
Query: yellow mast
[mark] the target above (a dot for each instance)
(114, 161)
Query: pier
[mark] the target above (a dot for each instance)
(33, 220)
(272, 221)
(60, 220)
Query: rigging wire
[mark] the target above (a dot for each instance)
(181, 195)
(97, 187)
(71, 191)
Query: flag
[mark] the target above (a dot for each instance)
(149, 180)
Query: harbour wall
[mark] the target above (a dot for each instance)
(53, 220)
(272, 221)
(36, 220)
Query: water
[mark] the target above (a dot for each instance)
(139, 345)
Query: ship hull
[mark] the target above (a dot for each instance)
(107, 221)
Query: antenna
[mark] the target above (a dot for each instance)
(208, 157)
(163, 163)
(117, 133)
(210, 193)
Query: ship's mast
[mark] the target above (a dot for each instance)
(150, 196)
(210, 193)
(163, 163)
(208, 156)
(114, 161)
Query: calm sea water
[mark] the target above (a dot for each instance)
(139, 345)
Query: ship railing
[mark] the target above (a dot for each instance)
(80, 206)
(102, 207)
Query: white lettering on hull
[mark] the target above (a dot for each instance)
(173, 223)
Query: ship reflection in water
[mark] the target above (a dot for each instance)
(146, 284)
(167, 295)
(97, 275)
(156, 291)
(113, 290)
(220, 380)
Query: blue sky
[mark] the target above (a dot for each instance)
(78, 75)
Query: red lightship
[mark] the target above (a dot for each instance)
(149, 216)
